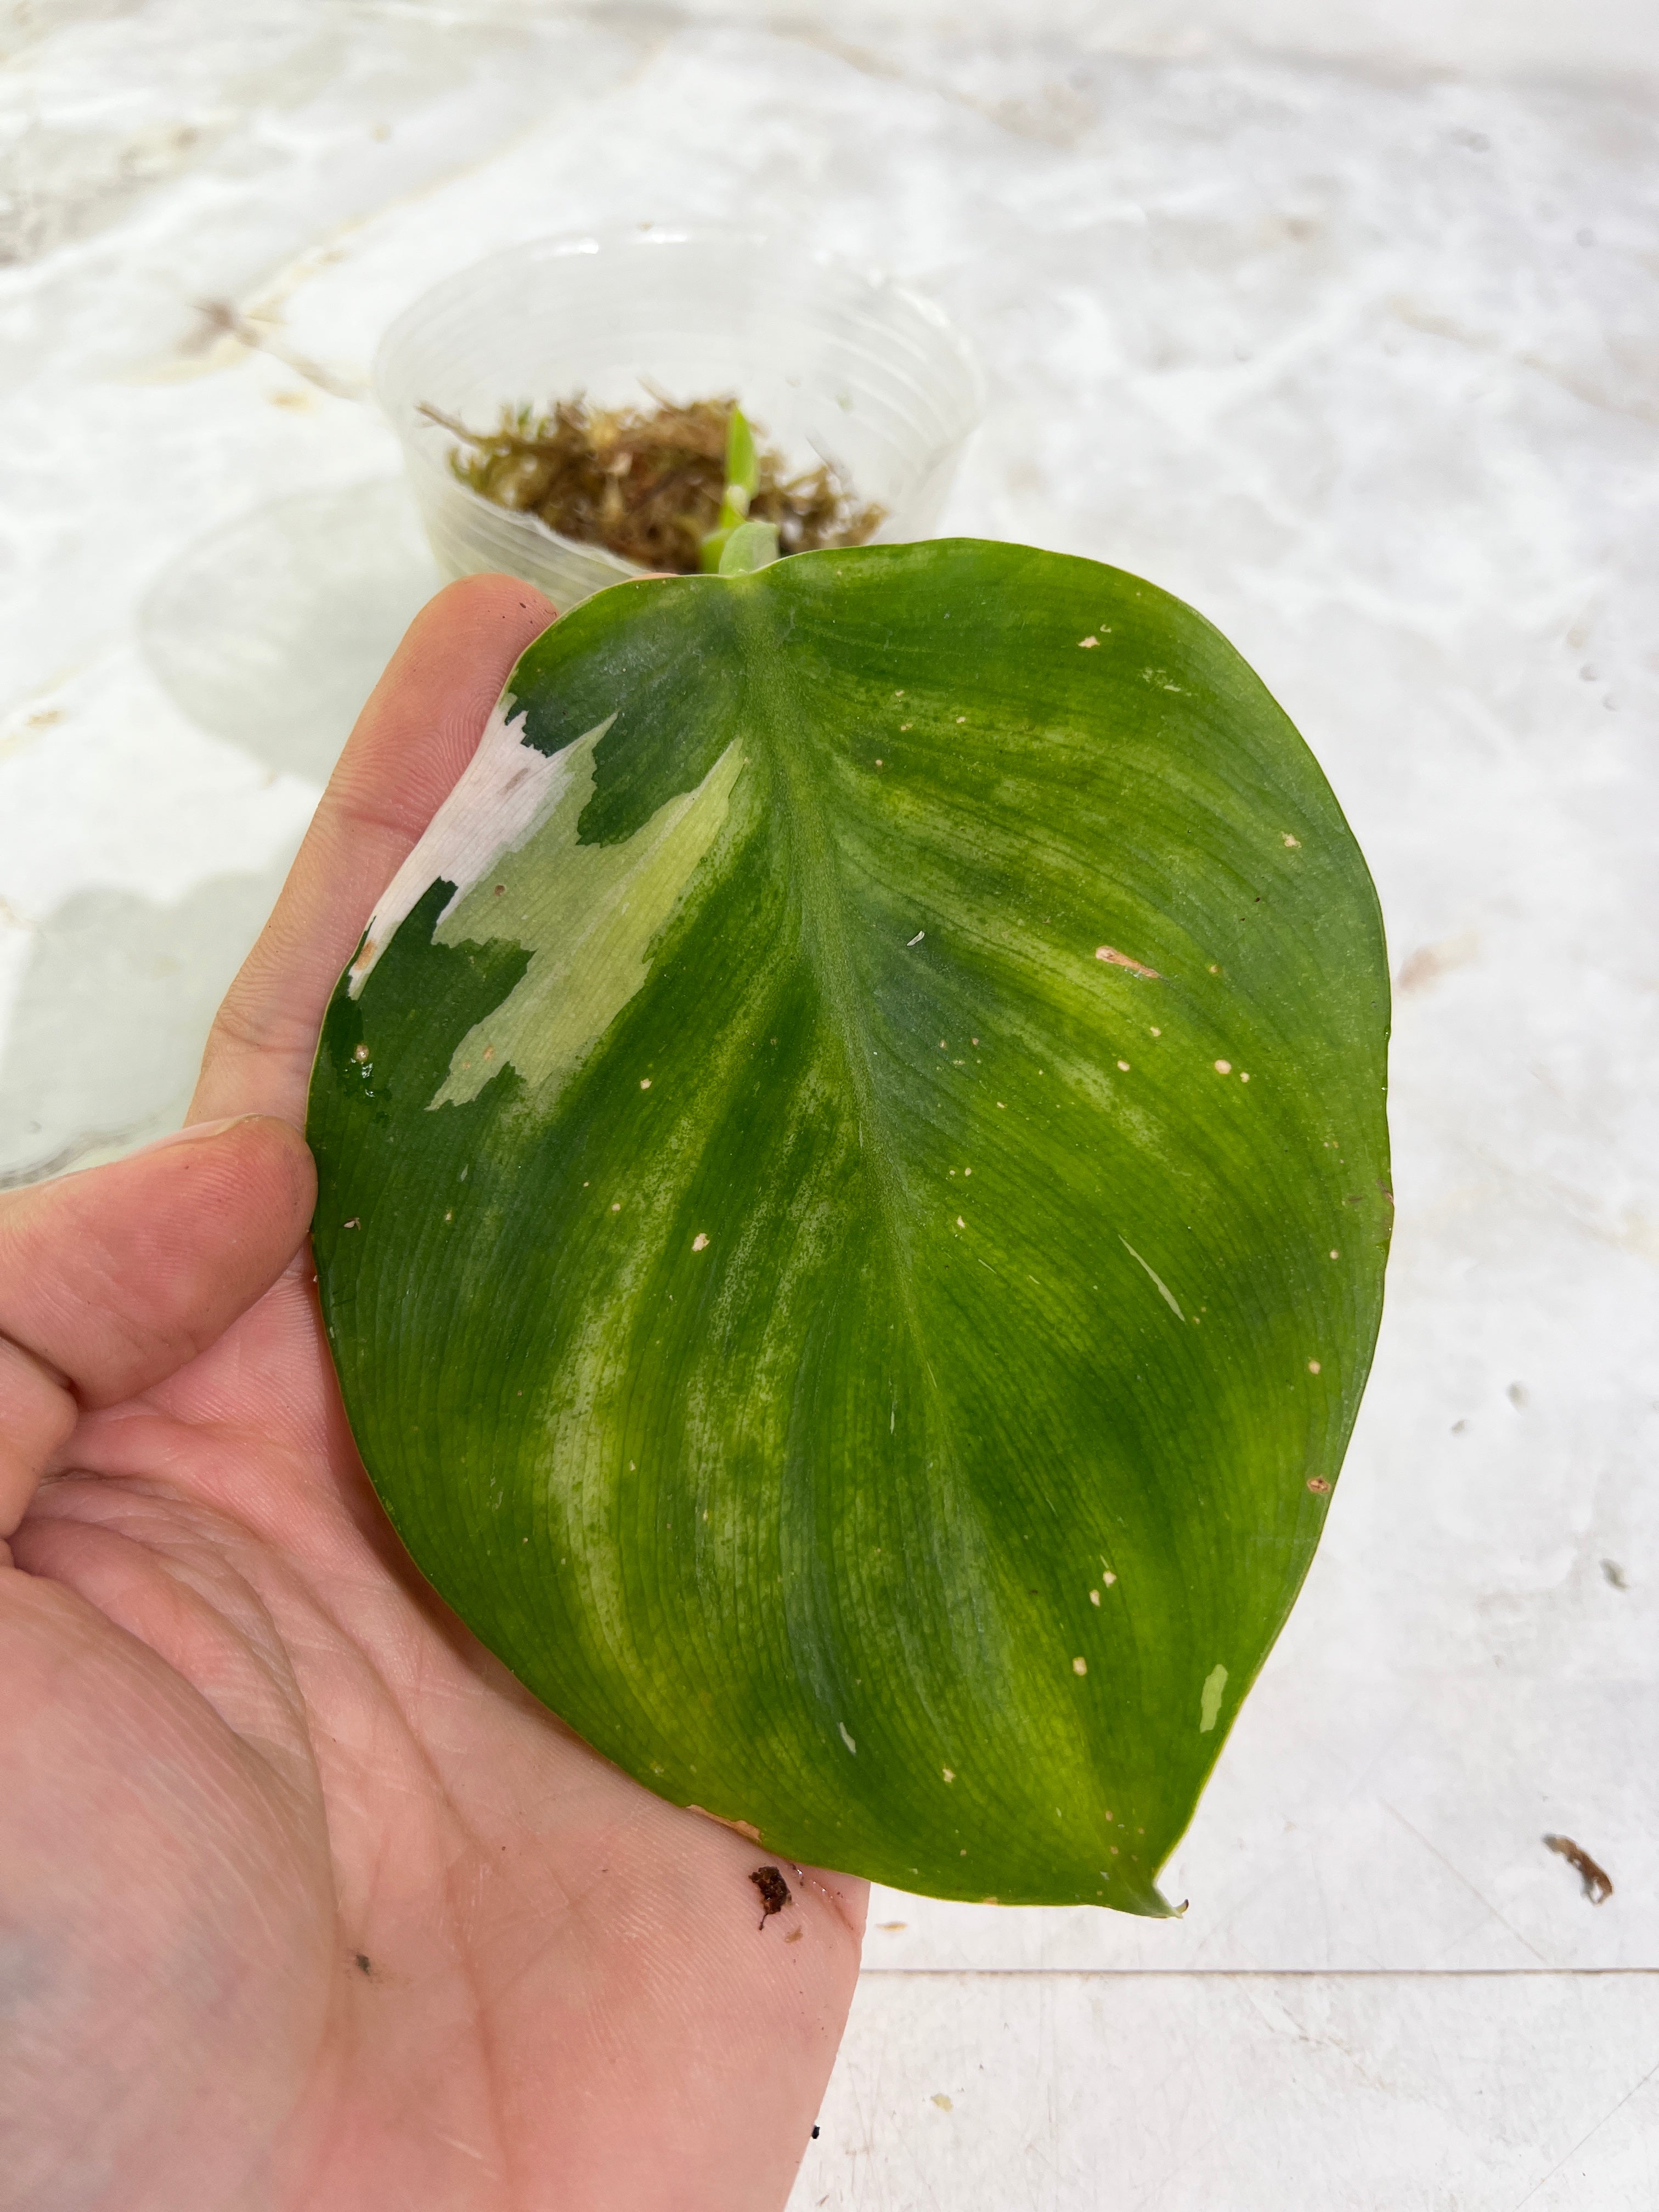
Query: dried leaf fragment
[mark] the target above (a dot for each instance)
(1598, 1886)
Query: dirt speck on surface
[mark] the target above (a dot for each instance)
(1430, 963)
(774, 1891)
(1598, 1886)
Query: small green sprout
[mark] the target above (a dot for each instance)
(742, 482)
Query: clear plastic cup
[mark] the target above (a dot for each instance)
(829, 361)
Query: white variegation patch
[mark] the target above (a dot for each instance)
(586, 914)
(504, 794)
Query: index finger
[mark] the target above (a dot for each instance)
(419, 730)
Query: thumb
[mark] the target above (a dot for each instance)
(113, 1279)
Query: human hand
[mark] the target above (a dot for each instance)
(304, 1901)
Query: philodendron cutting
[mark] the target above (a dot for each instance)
(854, 1200)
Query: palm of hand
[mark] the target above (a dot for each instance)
(310, 1904)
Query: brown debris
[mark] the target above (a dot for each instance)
(773, 1890)
(737, 1827)
(1109, 952)
(647, 485)
(1598, 1886)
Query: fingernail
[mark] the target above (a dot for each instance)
(193, 1134)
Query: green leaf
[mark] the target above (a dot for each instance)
(750, 545)
(854, 1200)
(742, 461)
(742, 481)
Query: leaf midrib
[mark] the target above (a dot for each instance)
(810, 856)
(810, 853)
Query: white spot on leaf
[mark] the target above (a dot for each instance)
(1209, 1707)
(1163, 1290)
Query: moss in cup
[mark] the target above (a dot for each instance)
(656, 486)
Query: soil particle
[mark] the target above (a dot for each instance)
(774, 1891)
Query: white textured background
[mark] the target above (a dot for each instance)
(1350, 336)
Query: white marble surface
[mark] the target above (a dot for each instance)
(1361, 360)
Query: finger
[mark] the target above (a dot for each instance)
(113, 1279)
(419, 730)
(37, 1414)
